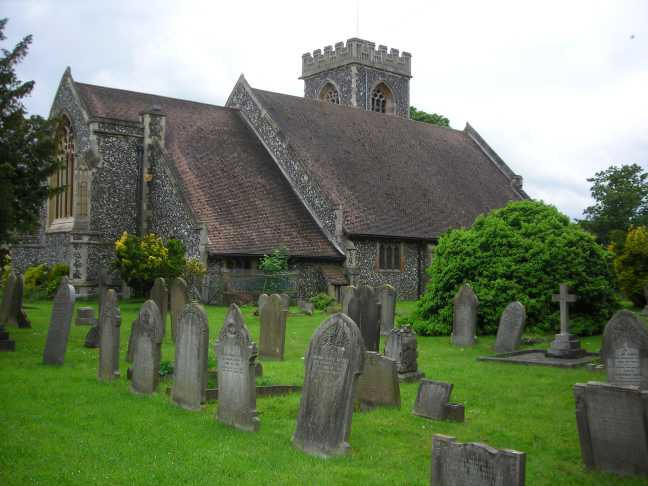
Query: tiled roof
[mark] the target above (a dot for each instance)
(229, 179)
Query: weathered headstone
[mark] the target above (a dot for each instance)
(387, 299)
(464, 322)
(473, 464)
(92, 337)
(16, 302)
(178, 297)
(363, 308)
(7, 297)
(625, 350)
(511, 327)
(102, 286)
(190, 371)
(613, 427)
(109, 327)
(334, 361)
(432, 401)
(236, 354)
(59, 328)
(565, 345)
(285, 301)
(378, 383)
(23, 320)
(306, 307)
(130, 350)
(85, 317)
(160, 295)
(273, 328)
(401, 347)
(147, 355)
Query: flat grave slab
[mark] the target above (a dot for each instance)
(538, 357)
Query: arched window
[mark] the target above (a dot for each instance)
(330, 94)
(60, 204)
(382, 100)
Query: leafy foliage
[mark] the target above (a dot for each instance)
(277, 261)
(42, 281)
(433, 118)
(621, 195)
(27, 149)
(631, 265)
(322, 300)
(194, 271)
(520, 252)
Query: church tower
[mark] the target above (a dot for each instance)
(359, 75)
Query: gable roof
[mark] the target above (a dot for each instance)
(392, 177)
(228, 178)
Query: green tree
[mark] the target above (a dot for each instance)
(621, 195)
(520, 252)
(27, 149)
(631, 265)
(433, 118)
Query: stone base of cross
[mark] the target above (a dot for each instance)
(565, 345)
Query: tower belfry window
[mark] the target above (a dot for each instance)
(330, 94)
(381, 99)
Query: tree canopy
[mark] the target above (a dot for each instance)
(433, 118)
(27, 148)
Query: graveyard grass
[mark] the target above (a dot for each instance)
(62, 426)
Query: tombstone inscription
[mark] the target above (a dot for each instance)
(511, 327)
(464, 321)
(147, 353)
(378, 383)
(401, 346)
(109, 326)
(387, 299)
(363, 308)
(178, 298)
(625, 350)
(273, 328)
(59, 328)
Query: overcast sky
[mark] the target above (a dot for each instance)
(558, 88)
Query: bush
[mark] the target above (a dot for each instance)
(520, 252)
(321, 301)
(42, 281)
(193, 272)
(631, 264)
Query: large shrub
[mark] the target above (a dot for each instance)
(42, 281)
(520, 252)
(631, 264)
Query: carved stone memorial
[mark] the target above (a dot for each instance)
(401, 347)
(511, 327)
(362, 306)
(160, 295)
(147, 352)
(464, 322)
(565, 345)
(109, 326)
(625, 350)
(60, 321)
(236, 354)
(178, 298)
(432, 401)
(334, 361)
(387, 299)
(378, 384)
(273, 328)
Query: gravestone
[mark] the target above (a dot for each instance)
(565, 345)
(285, 301)
(511, 327)
(85, 317)
(625, 350)
(612, 427)
(179, 298)
(16, 302)
(7, 297)
(273, 328)
(387, 299)
(263, 300)
(109, 326)
(401, 347)
(236, 354)
(473, 464)
(92, 337)
(59, 328)
(147, 354)
(190, 371)
(307, 307)
(432, 401)
(378, 383)
(23, 320)
(464, 321)
(160, 295)
(363, 308)
(334, 361)
(130, 350)
(102, 286)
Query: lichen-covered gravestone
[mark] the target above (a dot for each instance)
(378, 384)
(273, 328)
(625, 350)
(178, 297)
(455, 463)
(236, 354)
(387, 299)
(7, 297)
(160, 295)
(612, 427)
(109, 326)
(401, 347)
(464, 322)
(363, 308)
(190, 371)
(511, 327)
(334, 361)
(147, 354)
(59, 328)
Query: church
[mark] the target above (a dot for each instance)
(342, 179)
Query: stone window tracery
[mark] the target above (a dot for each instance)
(330, 94)
(389, 257)
(60, 204)
(382, 99)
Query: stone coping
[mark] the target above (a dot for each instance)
(538, 357)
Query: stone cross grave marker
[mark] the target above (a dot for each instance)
(401, 347)
(273, 328)
(59, 328)
(387, 299)
(378, 384)
(7, 297)
(511, 327)
(625, 350)
(612, 427)
(363, 307)
(334, 360)
(236, 354)
(109, 326)
(160, 295)
(565, 345)
(432, 401)
(147, 354)
(455, 463)
(178, 297)
(464, 323)
(190, 371)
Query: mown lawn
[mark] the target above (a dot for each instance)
(61, 426)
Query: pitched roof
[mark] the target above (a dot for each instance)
(228, 178)
(391, 176)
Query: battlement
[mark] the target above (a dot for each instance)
(356, 51)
